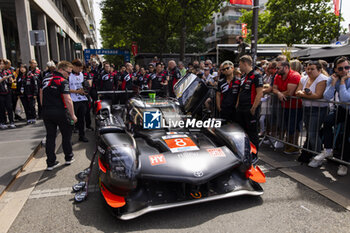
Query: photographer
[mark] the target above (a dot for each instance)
(338, 85)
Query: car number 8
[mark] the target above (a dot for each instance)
(180, 142)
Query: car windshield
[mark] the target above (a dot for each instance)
(169, 115)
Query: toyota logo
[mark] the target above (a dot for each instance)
(198, 174)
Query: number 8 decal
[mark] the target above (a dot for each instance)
(180, 142)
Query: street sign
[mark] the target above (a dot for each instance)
(78, 46)
(37, 37)
(89, 52)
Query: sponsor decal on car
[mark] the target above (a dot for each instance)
(180, 144)
(157, 159)
(198, 174)
(187, 155)
(216, 152)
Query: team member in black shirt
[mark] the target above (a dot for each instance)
(35, 72)
(5, 96)
(174, 76)
(58, 111)
(27, 87)
(251, 91)
(158, 81)
(128, 78)
(106, 81)
(227, 93)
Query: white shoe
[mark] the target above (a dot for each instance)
(278, 144)
(323, 155)
(342, 170)
(12, 126)
(315, 163)
(3, 126)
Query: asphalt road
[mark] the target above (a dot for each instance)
(15, 147)
(286, 206)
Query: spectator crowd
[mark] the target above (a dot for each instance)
(276, 98)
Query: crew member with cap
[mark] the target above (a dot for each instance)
(58, 111)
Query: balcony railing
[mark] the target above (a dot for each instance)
(228, 32)
(227, 18)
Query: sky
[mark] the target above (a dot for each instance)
(98, 16)
(346, 13)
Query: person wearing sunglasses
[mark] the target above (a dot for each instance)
(338, 87)
(227, 92)
(58, 111)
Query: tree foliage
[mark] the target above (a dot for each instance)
(295, 22)
(153, 24)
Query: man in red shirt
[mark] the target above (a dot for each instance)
(285, 84)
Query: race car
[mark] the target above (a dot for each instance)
(153, 154)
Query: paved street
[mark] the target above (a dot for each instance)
(16, 145)
(286, 206)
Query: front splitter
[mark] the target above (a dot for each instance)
(148, 209)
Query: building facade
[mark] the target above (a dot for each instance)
(225, 25)
(69, 28)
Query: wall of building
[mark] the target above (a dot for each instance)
(65, 23)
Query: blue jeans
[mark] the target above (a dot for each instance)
(313, 119)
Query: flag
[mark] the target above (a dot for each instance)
(244, 30)
(245, 2)
(336, 7)
(134, 48)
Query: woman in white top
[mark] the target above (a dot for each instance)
(311, 88)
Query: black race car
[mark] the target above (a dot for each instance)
(152, 155)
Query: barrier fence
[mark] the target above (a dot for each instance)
(304, 124)
(310, 127)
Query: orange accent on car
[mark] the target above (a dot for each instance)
(101, 166)
(255, 174)
(112, 200)
(196, 195)
(252, 148)
(98, 106)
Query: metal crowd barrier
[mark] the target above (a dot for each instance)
(279, 122)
